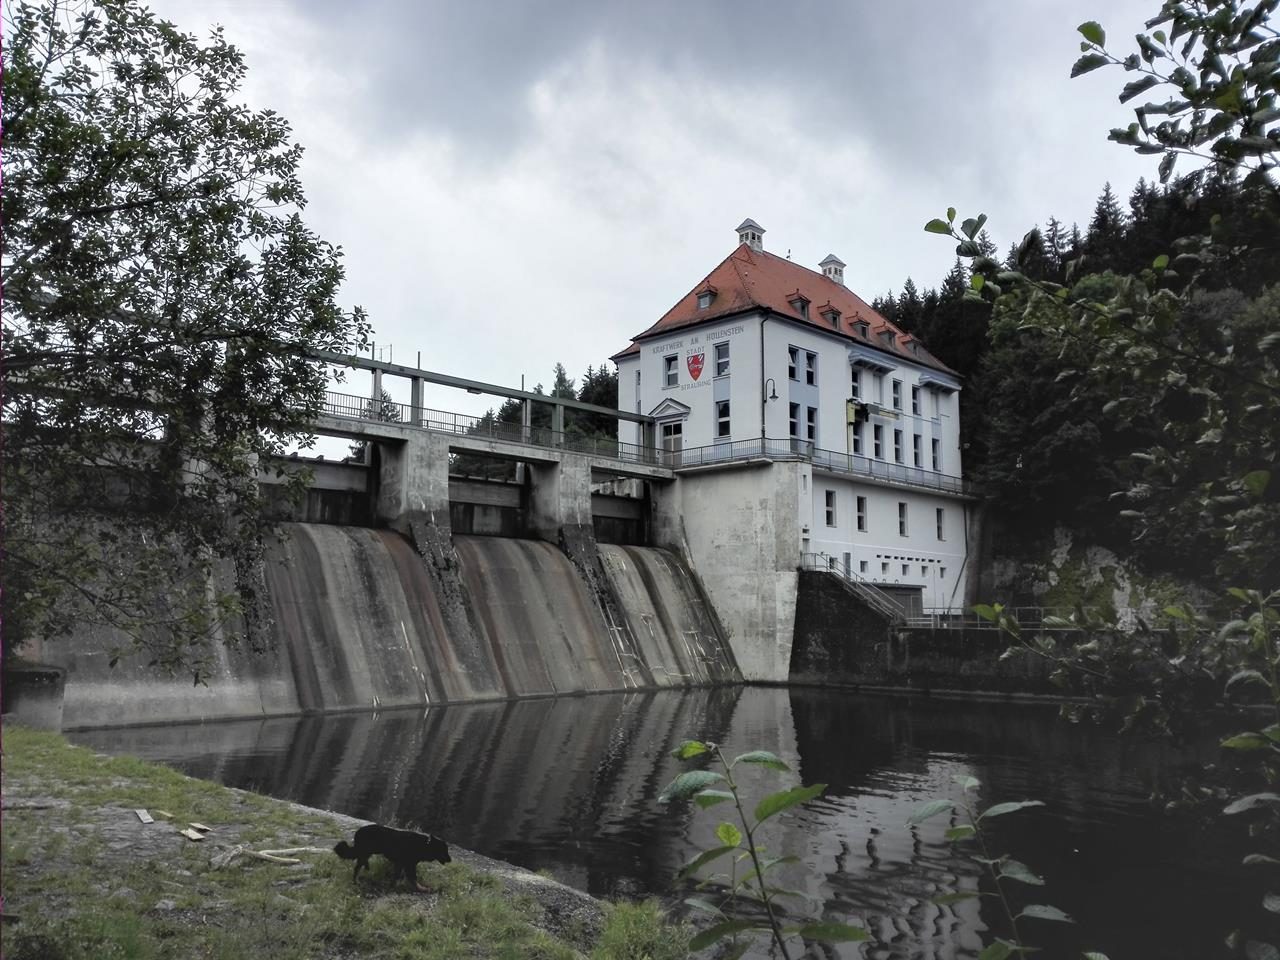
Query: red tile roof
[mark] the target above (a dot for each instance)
(753, 279)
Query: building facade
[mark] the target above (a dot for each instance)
(766, 360)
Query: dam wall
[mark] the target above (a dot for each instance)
(361, 620)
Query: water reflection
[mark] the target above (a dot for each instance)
(571, 785)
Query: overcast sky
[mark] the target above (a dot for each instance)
(519, 183)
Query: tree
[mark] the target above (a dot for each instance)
(1104, 243)
(910, 308)
(160, 295)
(384, 409)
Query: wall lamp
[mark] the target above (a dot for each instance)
(773, 390)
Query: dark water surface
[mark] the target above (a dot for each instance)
(570, 785)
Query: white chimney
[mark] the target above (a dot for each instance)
(751, 233)
(833, 268)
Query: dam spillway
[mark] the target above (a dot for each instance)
(361, 621)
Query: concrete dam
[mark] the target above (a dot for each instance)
(362, 621)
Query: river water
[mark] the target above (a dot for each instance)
(570, 785)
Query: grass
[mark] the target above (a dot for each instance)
(82, 891)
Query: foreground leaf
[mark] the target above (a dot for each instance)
(689, 748)
(687, 784)
(950, 898)
(962, 832)
(762, 757)
(1000, 809)
(703, 906)
(1015, 870)
(777, 802)
(1251, 801)
(709, 936)
(930, 809)
(996, 951)
(831, 932)
(703, 859)
(709, 798)
(1042, 911)
(729, 835)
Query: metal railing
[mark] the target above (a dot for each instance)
(716, 454)
(1026, 618)
(861, 587)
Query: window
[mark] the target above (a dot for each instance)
(942, 573)
(915, 449)
(722, 359)
(793, 359)
(902, 519)
(862, 566)
(897, 446)
(637, 391)
(811, 423)
(855, 384)
(906, 569)
(938, 513)
(897, 394)
(848, 562)
(831, 508)
(937, 454)
(857, 438)
(793, 419)
(671, 370)
(924, 571)
(801, 306)
(877, 441)
(722, 418)
(705, 298)
(877, 388)
(915, 400)
(884, 568)
(671, 436)
(862, 514)
(811, 368)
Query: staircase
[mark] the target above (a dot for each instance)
(863, 589)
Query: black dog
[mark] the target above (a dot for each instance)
(404, 848)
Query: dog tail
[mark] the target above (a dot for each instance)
(345, 850)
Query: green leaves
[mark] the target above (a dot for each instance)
(930, 810)
(962, 832)
(1246, 741)
(702, 859)
(729, 835)
(709, 798)
(1000, 809)
(1015, 870)
(1251, 802)
(689, 749)
(831, 932)
(957, 897)
(761, 757)
(938, 226)
(1256, 481)
(775, 803)
(687, 784)
(1092, 31)
(1135, 87)
(997, 950)
(1041, 911)
(1089, 62)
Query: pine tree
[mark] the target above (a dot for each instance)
(955, 283)
(1105, 241)
(910, 307)
(1055, 242)
(986, 244)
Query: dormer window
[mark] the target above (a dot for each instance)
(800, 304)
(887, 337)
(706, 296)
(831, 315)
(861, 328)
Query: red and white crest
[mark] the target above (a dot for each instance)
(695, 362)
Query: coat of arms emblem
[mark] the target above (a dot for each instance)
(695, 362)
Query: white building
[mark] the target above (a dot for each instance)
(768, 360)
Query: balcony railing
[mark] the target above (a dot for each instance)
(716, 454)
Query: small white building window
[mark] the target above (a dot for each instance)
(793, 360)
(939, 514)
(897, 394)
(705, 298)
(942, 573)
(811, 423)
(793, 420)
(877, 441)
(855, 383)
(671, 370)
(884, 568)
(897, 446)
(637, 391)
(906, 569)
(810, 368)
(862, 514)
(915, 449)
(831, 508)
(924, 571)
(862, 566)
(722, 419)
(937, 454)
(857, 438)
(722, 359)
(915, 400)
(877, 388)
(902, 518)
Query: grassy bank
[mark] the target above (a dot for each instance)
(85, 879)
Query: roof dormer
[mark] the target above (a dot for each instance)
(799, 303)
(706, 295)
(862, 329)
(829, 313)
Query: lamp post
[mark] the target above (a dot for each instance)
(772, 392)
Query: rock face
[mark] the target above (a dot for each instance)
(363, 620)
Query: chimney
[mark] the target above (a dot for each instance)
(833, 268)
(751, 233)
